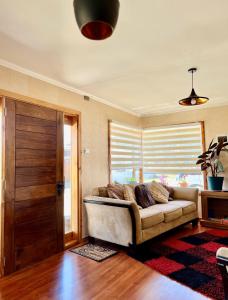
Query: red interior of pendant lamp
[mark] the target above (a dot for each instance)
(97, 30)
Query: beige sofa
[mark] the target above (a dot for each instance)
(122, 222)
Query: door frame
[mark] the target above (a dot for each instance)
(66, 111)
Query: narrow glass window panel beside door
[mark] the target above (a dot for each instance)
(67, 177)
(71, 207)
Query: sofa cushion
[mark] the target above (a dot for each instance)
(171, 211)
(187, 206)
(150, 217)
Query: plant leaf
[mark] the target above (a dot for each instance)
(203, 168)
(200, 161)
(202, 155)
(205, 154)
(211, 143)
(213, 146)
(208, 152)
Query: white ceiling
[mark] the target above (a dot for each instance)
(142, 67)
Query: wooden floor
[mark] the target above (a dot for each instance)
(69, 276)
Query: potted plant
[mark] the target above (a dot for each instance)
(182, 181)
(209, 160)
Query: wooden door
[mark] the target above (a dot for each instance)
(33, 195)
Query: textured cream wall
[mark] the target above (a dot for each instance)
(94, 125)
(216, 123)
(95, 117)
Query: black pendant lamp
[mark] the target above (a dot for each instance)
(96, 19)
(193, 99)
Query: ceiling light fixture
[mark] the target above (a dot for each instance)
(193, 99)
(96, 19)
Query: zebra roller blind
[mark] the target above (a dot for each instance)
(172, 149)
(142, 155)
(125, 146)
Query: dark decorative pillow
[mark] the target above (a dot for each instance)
(143, 196)
(170, 190)
(115, 191)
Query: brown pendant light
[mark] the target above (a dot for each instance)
(96, 19)
(193, 99)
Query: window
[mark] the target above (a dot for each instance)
(125, 152)
(170, 155)
(70, 179)
(67, 177)
(166, 154)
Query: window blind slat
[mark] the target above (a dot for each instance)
(177, 131)
(126, 153)
(187, 141)
(171, 154)
(125, 129)
(174, 128)
(173, 136)
(164, 148)
(123, 166)
(126, 133)
(171, 165)
(137, 148)
(168, 152)
(125, 136)
(175, 159)
(124, 141)
(114, 159)
(171, 171)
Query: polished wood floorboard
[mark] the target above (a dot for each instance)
(68, 276)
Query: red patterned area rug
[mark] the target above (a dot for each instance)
(190, 261)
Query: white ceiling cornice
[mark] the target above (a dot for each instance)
(62, 85)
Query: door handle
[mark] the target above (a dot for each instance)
(59, 187)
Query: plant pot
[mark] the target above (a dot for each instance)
(215, 183)
(183, 184)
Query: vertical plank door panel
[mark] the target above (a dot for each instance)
(9, 189)
(33, 167)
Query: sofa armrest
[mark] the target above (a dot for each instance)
(107, 201)
(113, 220)
(190, 194)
